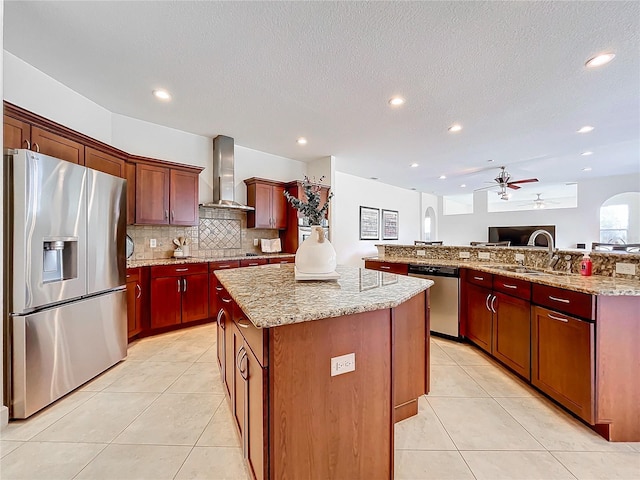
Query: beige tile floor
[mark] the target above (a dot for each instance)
(161, 414)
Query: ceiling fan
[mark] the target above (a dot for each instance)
(503, 181)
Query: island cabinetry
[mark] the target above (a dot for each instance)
(179, 294)
(270, 204)
(563, 359)
(215, 304)
(398, 268)
(225, 340)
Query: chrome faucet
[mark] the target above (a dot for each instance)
(553, 259)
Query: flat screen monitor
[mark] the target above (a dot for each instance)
(519, 235)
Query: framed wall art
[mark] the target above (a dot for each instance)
(369, 223)
(389, 224)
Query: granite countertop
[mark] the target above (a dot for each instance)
(179, 261)
(594, 285)
(270, 296)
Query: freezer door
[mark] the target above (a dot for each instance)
(47, 204)
(56, 350)
(106, 231)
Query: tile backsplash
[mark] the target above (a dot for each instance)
(221, 233)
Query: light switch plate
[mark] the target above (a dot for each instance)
(421, 253)
(519, 257)
(152, 243)
(343, 364)
(465, 255)
(484, 255)
(626, 268)
(255, 242)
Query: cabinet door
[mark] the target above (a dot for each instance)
(56, 146)
(104, 162)
(17, 134)
(132, 293)
(195, 297)
(563, 360)
(512, 333)
(238, 383)
(165, 301)
(184, 198)
(152, 195)
(263, 212)
(278, 207)
(221, 322)
(256, 443)
(130, 175)
(479, 317)
(229, 351)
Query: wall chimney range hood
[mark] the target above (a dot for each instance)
(223, 175)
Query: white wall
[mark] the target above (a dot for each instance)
(253, 163)
(37, 92)
(573, 225)
(350, 193)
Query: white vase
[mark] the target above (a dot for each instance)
(316, 255)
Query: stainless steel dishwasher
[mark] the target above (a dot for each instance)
(444, 297)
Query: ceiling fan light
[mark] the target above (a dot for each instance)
(599, 60)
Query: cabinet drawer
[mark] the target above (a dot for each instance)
(178, 270)
(399, 268)
(481, 279)
(512, 286)
(566, 301)
(255, 338)
(213, 266)
(290, 259)
(253, 262)
(133, 274)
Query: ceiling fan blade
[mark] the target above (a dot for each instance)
(486, 188)
(513, 187)
(526, 180)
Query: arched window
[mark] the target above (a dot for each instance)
(429, 224)
(620, 219)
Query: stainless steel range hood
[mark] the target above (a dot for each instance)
(223, 175)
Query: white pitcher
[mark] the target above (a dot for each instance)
(316, 254)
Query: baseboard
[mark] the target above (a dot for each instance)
(4, 416)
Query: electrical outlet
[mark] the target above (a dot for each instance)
(484, 255)
(465, 255)
(152, 243)
(519, 257)
(626, 268)
(421, 253)
(255, 242)
(343, 364)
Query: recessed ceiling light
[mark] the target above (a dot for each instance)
(599, 60)
(442, 177)
(456, 127)
(586, 169)
(490, 160)
(463, 185)
(373, 178)
(413, 188)
(301, 141)
(162, 94)
(414, 165)
(586, 154)
(585, 129)
(396, 101)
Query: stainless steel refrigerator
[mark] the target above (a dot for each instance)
(65, 295)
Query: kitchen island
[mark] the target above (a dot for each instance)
(317, 373)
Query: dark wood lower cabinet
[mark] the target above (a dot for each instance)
(563, 360)
(479, 324)
(512, 333)
(195, 297)
(165, 301)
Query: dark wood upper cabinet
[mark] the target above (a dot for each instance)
(17, 134)
(57, 146)
(130, 169)
(183, 200)
(152, 194)
(267, 197)
(105, 162)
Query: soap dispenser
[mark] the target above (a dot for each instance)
(586, 265)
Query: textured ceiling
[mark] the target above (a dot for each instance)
(265, 73)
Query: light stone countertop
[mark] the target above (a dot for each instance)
(270, 296)
(180, 261)
(594, 285)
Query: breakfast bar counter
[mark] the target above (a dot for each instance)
(318, 372)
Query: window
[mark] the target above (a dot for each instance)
(534, 197)
(429, 224)
(457, 204)
(614, 223)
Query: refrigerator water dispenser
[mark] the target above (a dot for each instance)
(60, 260)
